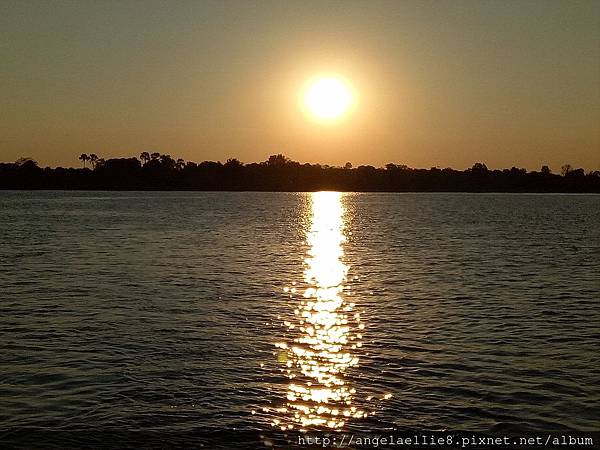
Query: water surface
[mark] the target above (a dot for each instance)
(177, 316)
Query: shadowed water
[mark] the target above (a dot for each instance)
(180, 315)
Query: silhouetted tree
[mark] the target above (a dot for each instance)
(26, 161)
(93, 160)
(155, 155)
(574, 173)
(564, 170)
(277, 160)
(167, 162)
(84, 157)
(233, 163)
(279, 173)
(546, 170)
(144, 157)
(348, 165)
(479, 168)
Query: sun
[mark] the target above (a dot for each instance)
(328, 98)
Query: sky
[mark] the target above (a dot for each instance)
(440, 83)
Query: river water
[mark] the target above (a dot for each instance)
(226, 320)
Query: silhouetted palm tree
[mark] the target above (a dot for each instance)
(84, 157)
(93, 160)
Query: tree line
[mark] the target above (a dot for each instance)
(156, 171)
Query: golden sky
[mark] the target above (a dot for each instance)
(435, 83)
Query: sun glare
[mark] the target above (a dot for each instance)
(326, 329)
(328, 98)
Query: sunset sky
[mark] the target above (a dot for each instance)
(434, 83)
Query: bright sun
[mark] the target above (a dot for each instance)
(328, 98)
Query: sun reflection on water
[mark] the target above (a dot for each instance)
(326, 328)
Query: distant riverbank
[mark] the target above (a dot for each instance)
(161, 172)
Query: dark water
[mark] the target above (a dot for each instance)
(182, 317)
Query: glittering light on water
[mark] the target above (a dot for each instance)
(319, 394)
